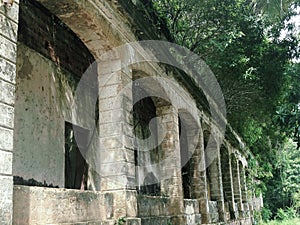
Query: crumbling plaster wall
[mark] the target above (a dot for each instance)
(44, 101)
(50, 62)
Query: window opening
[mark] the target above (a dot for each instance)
(76, 167)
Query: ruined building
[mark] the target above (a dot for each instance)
(82, 149)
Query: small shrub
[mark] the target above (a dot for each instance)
(169, 223)
(257, 218)
(288, 213)
(266, 214)
(120, 221)
(296, 202)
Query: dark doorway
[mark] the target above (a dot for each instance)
(144, 111)
(206, 135)
(186, 161)
(76, 147)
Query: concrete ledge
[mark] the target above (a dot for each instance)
(39, 205)
(83, 223)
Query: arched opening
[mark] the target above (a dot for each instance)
(227, 183)
(243, 182)
(214, 177)
(236, 185)
(186, 161)
(146, 149)
(206, 135)
(190, 154)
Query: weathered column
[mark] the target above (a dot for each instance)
(171, 183)
(251, 196)
(227, 181)
(244, 189)
(237, 185)
(215, 174)
(116, 141)
(8, 52)
(199, 180)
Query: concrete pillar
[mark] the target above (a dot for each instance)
(216, 186)
(227, 181)
(8, 52)
(237, 185)
(171, 183)
(117, 169)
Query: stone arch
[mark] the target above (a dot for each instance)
(97, 28)
(190, 154)
(227, 181)
(236, 185)
(148, 97)
(146, 146)
(206, 136)
(155, 81)
(214, 173)
(149, 86)
(242, 170)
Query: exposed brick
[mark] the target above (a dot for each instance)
(45, 33)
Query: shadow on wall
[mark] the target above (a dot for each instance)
(151, 185)
(32, 182)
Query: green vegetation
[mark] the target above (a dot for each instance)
(295, 221)
(243, 43)
(120, 221)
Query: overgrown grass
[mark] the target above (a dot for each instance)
(295, 221)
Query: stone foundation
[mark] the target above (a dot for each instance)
(38, 205)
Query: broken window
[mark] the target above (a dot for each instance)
(76, 147)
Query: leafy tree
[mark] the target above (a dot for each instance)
(274, 9)
(288, 110)
(242, 48)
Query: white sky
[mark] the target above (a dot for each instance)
(295, 20)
